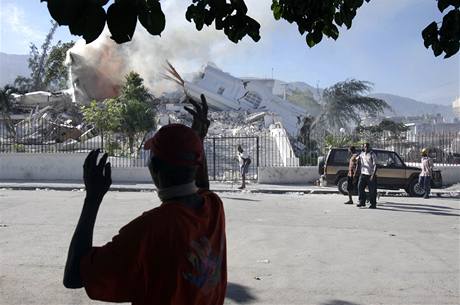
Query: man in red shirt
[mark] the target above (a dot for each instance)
(172, 254)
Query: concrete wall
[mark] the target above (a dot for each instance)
(450, 173)
(59, 167)
(288, 175)
(287, 154)
(67, 167)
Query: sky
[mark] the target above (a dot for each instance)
(384, 46)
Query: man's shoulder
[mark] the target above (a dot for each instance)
(209, 193)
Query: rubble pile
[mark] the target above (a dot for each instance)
(223, 123)
(45, 118)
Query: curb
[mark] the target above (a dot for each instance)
(54, 187)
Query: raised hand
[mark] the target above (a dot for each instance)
(200, 116)
(97, 177)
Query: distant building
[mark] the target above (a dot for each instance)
(456, 108)
(430, 128)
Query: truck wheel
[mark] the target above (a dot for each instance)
(342, 185)
(414, 189)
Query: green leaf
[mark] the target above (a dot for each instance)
(451, 49)
(430, 34)
(437, 49)
(331, 31)
(152, 17)
(317, 36)
(240, 6)
(277, 11)
(338, 19)
(121, 20)
(310, 40)
(65, 12)
(90, 24)
(443, 4)
(99, 2)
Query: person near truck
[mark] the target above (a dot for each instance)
(424, 179)
(367, 165)
(351, 177)
(172, 254)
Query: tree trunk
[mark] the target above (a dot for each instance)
(102, 140)
(131, 143)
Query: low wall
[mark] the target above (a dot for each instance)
(68, 167)
(59, 167)
(288, 175)
(450, 174)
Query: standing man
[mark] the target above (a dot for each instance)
(244, 162)
(172, 254)
(352, 168)
(425, 176)
(367, 163)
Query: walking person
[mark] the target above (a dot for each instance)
(244, 162)
(172, 254)
(351, 177)
(367, 164)
(424, 179)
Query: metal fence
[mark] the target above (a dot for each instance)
(222, 160)
(444, 148)
(264, 149)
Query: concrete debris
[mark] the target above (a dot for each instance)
(45, 118)
(223, 123)
(225, 92)
(238, 108)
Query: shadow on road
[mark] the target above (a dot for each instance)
(236, 198)
(338, 302)
(239, 293)
(425, 205)
(418, 208)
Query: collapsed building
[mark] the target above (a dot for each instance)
(225, 92)
(40, 117)
(239, 107)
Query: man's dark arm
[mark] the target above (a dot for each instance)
(374, 161)
(97, 179)
(200, 125)
(202, 177)
(82, 242)
(357, 167)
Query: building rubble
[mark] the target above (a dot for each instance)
(238, 108)
(225, 92)
(45, 118)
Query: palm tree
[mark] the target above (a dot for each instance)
(345, 103)
(6, 106)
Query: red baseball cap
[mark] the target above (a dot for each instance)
(176, 144)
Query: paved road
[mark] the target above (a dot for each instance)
(282, 249)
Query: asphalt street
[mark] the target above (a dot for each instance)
(282, 248)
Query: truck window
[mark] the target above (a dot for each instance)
(388, 159)
(339, 156)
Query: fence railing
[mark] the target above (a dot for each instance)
(273, 149)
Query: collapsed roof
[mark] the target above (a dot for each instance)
(225, 92)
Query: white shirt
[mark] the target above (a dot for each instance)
(427, 167)
(241, 157)
(367, 162)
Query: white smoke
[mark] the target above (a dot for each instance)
(102, 65)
